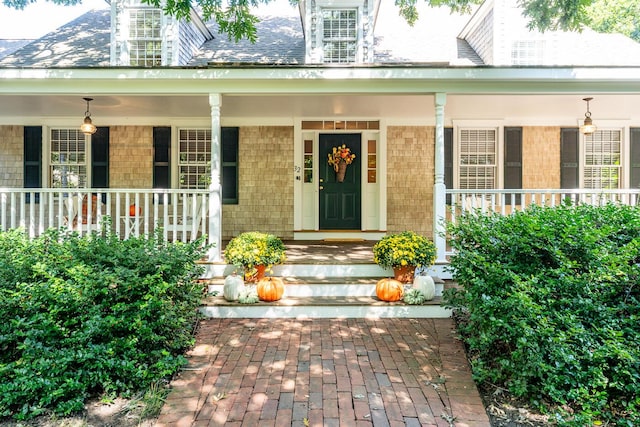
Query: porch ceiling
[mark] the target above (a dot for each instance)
(251, 93)
(551, 109)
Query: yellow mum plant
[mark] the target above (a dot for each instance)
(255, 248)
(405, 248)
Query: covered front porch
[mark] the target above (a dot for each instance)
(408, 124)
(184, 215)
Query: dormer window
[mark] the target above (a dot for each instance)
(145, 37)
(340, 35)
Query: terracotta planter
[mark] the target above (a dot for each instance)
(254, 275)
(404, 274)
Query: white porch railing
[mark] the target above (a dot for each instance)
(506, 201)
(182, 214)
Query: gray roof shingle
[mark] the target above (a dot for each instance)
(83, 42)
(433, 38)
(8, 46)
(280, 41)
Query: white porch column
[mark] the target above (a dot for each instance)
(439, 189)
(215, 188)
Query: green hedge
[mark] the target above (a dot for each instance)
(550, 298)
(88, 316)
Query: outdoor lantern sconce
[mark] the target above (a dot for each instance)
(88, 128)
(588, 127)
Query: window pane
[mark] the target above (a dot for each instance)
(477, 159)
(194, 158)
(308, 160)
(68, 167)
(68, 176)
(527, 52)
(340, 35)
(372, 146)
(602, 159)
(145, 38)
(372, 161)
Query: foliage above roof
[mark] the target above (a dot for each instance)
(236, 19)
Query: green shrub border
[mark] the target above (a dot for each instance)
(551, 301)
(94, 315)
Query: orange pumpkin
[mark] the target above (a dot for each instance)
(270, 289)
(132, 210)
(389, 290)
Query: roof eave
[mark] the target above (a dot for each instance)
(322, 80)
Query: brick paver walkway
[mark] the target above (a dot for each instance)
(325, 372)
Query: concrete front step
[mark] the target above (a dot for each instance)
(213, 270)
(311, 287)
(319, 291)
(323, 307)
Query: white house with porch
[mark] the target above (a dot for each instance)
(199, 135)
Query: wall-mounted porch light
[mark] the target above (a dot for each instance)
(588, 127)
(87, 127)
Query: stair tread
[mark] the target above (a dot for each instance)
(333, 280)
(314, 301)
(299, 280)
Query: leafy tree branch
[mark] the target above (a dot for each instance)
(235, 18)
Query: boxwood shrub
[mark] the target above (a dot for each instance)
(550, 302)
(87, 316)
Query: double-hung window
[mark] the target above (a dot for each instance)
(602, 155)
(145, 37)
(194, 158)
(340, 35)
(68, 159)
(528, 52)
(477, 157)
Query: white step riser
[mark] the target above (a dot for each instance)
(319, 290)
(324, 312)
(322, 270)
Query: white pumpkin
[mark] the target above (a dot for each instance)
(425, 285)
(233, 285)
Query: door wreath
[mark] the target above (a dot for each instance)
(339, 158)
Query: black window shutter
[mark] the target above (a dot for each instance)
(448, 160)
(161, 157)
(33, 159)
(513, 161)
(569, 161)
(230, 142)
(635, 157)
(100, 158)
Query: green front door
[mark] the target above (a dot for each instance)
(340, 201)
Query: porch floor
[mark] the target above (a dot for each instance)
(327, 251)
